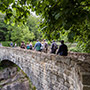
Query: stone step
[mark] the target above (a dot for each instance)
(86, 87)
(86, 79)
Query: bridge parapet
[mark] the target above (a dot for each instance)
(85, 57)
(48, 71)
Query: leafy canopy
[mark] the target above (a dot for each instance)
(55, 13)
(19, 32)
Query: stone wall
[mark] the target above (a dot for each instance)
(85, 57)
(48, 71)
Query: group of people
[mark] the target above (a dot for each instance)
(38, 46)
(27, 46)
(63, 50)
(43, 46)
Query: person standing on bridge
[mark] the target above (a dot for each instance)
(54, 47)
(38, 46)
(11, 44)
(0, 44)
(23, 45)
(31, 46)
(45, 46)
(27, 46)
(63, 50)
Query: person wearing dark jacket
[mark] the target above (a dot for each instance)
(54, 47)
(63, 50)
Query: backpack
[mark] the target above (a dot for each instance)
(23, 45)
(46, 45)
(30, 46)
(55, 46)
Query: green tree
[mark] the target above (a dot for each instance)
(33, 24)
(3, 29)
(20, 33)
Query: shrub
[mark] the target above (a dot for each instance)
(5, 43)
(74, 49)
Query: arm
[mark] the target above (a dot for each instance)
(52, 45)
(35, 46)
(59, 50)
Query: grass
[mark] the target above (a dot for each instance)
(5, 43)
(74, 49)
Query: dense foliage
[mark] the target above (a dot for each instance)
(56, 15)
(19, 32)
(3, 29)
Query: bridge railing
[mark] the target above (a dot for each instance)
(85, 57)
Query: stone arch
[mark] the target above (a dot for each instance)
(13, 77)
(7, 63)
(7, 66)
(19, 60)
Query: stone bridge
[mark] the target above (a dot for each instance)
(51, 72)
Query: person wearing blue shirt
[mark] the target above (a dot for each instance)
(38, 46)
(27, 46)
(11, 44)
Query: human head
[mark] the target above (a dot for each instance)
(37, 40)
(44, 40)
(27, 42)
(53, 41)
(22, 41)
(62, 41)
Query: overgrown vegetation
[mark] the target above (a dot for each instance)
(32, 87)
(5, 43)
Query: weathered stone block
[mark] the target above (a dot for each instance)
(86, 79)
(86, 88)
